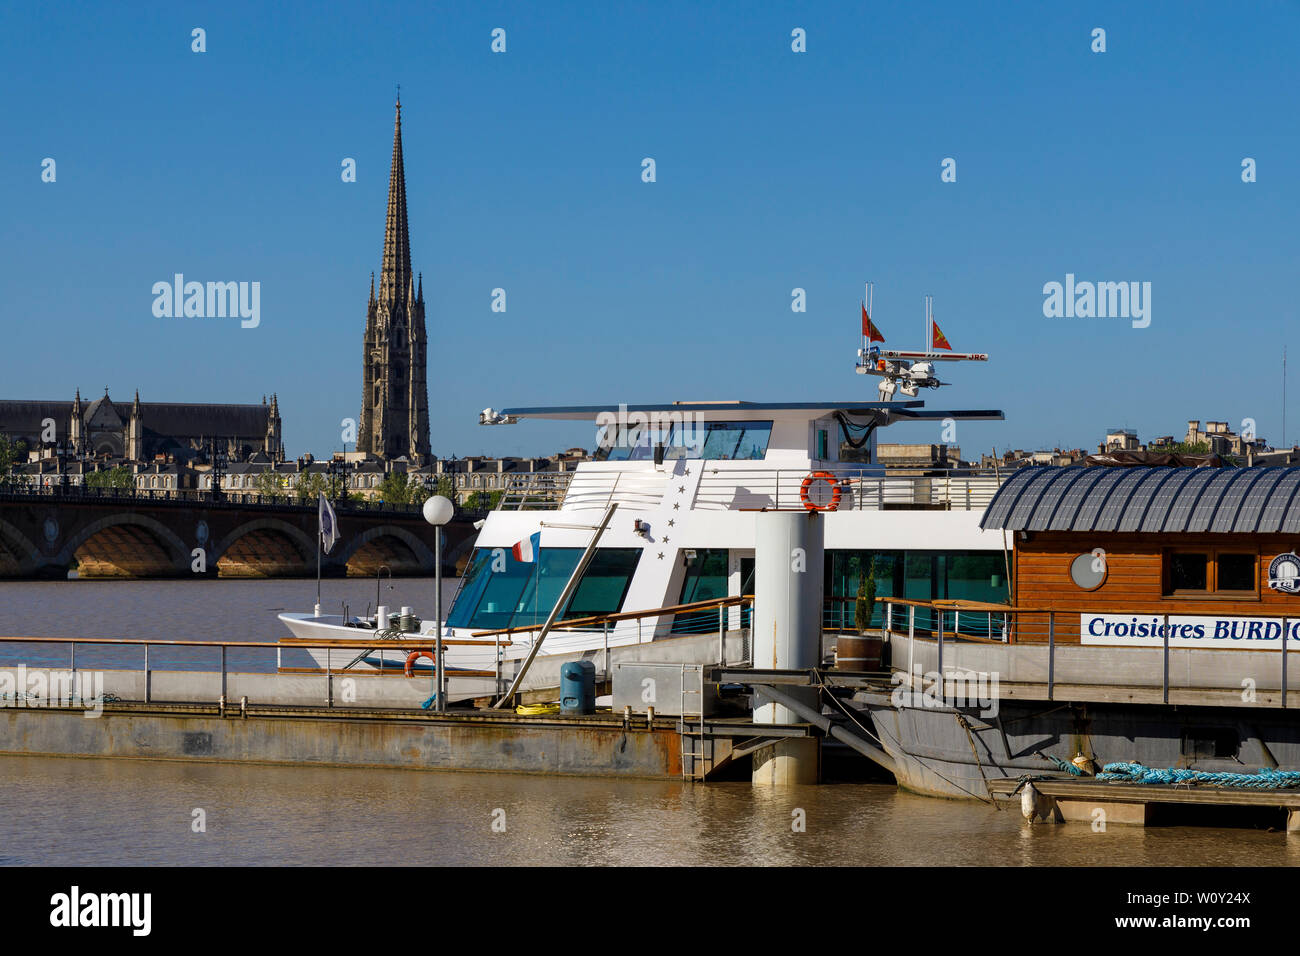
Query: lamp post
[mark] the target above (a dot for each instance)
(337, 470)
(64, 452)
(438, 511)
(218, 472)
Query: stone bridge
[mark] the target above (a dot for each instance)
(104, 533)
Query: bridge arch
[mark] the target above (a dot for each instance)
(174, 553)
(364, 552)
(18, 556)
(294, 560)
(458, 555)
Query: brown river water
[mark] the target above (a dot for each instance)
(71, 811)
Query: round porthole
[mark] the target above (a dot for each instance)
(1088, 571)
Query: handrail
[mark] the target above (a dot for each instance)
(731, 601)
(188, 497)
(298, 642)
(950, 605)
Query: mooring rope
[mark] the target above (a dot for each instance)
(1065, 765)
(1265, 779)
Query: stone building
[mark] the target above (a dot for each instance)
(394, 392)
(142, 431)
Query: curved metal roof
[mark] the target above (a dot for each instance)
(1151, 500)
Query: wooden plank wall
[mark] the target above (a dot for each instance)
(1134, 580)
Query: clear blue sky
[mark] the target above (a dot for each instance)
(775, 170)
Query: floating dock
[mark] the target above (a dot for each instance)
(477, 740)
(1080, 800)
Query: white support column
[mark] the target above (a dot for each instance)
(789, 559)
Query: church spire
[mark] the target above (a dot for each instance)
(395, 272)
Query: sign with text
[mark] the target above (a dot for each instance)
(1148, 630)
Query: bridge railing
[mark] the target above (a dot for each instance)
(193, 497)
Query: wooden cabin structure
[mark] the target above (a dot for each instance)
(1140, 555)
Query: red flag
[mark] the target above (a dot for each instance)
(869, 329)
(939, 341)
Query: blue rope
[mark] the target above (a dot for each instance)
(429, 703)
(1069, 768)
(1266, 779)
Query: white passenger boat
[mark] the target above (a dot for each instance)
(682, 478)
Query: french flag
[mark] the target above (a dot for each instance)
(526, 550)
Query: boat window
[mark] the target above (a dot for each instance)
(919, 576)
(1189, 571)
(735, 440)
(705, 579)
(500, 592)
(710, 440)
(629, 443)
(1210, 571)
(1236, 572)
(605, 583)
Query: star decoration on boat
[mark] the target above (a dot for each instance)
(671, 522)
(681, 489)
(661, 555)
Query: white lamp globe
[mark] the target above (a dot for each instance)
(437, 510)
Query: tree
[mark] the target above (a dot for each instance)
(1182, 448)
(9, 455)
(309, 488)
(482, 500)
(394, 489)
(267, 484)
(120, 477)
(866, 602)
(417, 492)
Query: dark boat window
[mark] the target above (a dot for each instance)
(604, 584)
(716, 441)
(1236, 572)
(705, 579)
(919, 575)
(500, 592)
(1188, 572)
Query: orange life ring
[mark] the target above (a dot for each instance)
(836, 491)
(414, 656)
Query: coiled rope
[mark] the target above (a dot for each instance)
(1265, 779)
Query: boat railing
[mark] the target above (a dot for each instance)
(533, 491)
(1049, 647)
(590, 488)
(851, 488)
(739, 487)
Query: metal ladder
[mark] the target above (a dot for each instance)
(690, 769)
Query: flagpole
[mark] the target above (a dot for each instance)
(929, 330)
(318, 560)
